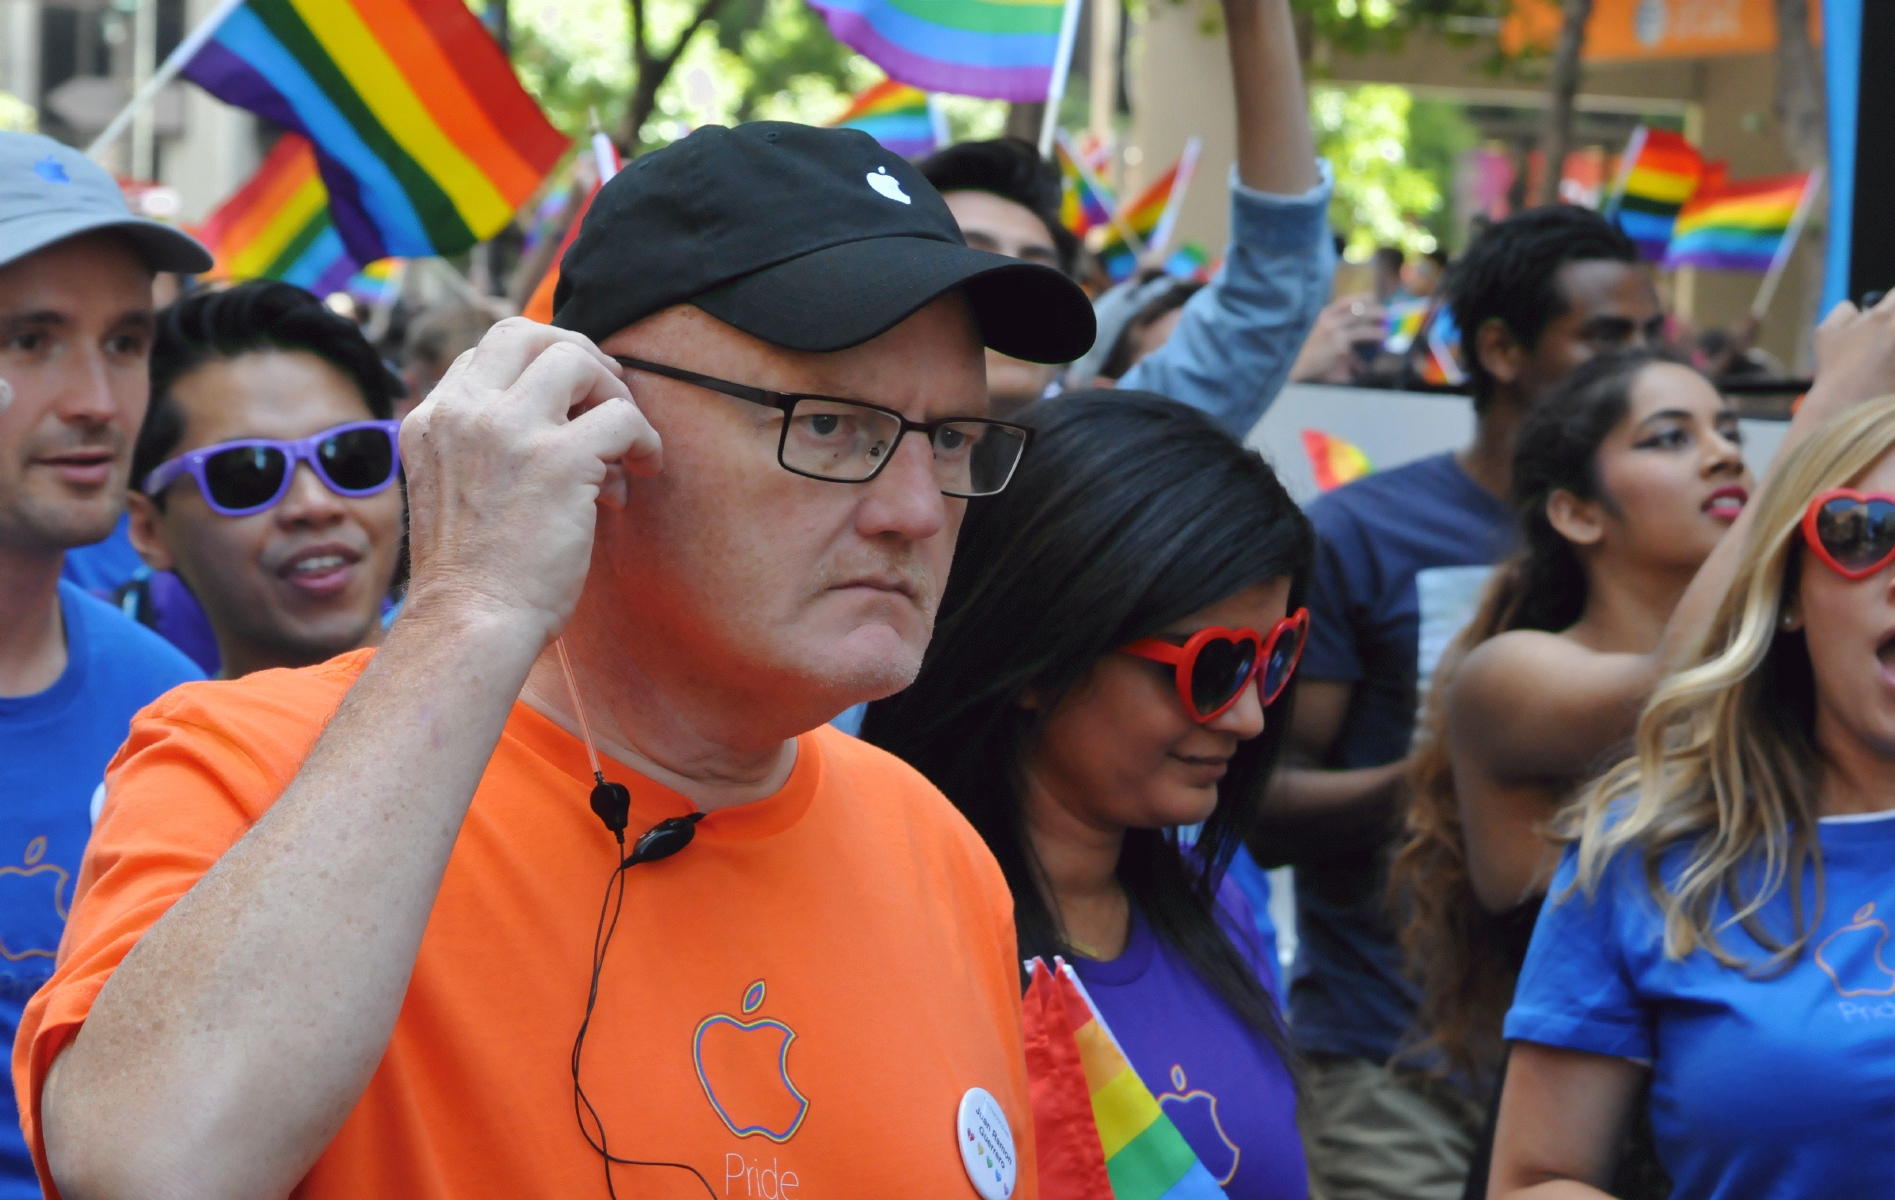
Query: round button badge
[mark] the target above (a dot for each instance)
(986, 1142)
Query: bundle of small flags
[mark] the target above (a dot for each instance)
(1098, 1130)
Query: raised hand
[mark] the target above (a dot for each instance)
(506, 461)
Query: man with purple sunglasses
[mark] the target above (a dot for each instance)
(265, 475)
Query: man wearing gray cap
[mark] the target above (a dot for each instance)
(75, 331)
(566, 890)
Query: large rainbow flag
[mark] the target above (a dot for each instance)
(1659, 174)
(1098, 1131)
(894, 114)
(1736, 224)
(1001, 49)
(422, 133)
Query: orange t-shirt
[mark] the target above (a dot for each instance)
(794, 1005)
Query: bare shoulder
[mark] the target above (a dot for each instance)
(1509, 663)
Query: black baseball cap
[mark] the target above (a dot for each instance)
(811, 239)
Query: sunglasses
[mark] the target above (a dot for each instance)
(1216, 664)
(1852, 532)
(249, 476)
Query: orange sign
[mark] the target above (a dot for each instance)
(1629, 30)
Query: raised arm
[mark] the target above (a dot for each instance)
(290, 958)
(1238, 338)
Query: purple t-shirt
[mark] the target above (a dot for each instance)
(1216, 1078)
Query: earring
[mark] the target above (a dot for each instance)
(1789, 621)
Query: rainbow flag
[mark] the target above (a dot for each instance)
(1335, 461)
(1401, 324)
(895, 115)
(1659, 173)
(1736, 226)
(277, 226)
(423, 135)
(1085, 204)
(1074, 1063)
(1142, 217)
(1001, 49)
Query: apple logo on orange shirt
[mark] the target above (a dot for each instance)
(744, 1068)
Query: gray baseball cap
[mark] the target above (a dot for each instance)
(50, 192)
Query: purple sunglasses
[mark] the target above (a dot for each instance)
(243, 477)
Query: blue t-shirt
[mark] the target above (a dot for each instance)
(1779, 1086)
(53, 749)
(1348, 992)
(1216, 1078)
(104, 567)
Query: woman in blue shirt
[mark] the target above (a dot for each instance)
(1719, 928)
(1112, 660)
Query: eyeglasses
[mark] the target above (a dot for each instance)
(847, 441)
(1214, 666)
(248, 476)
(1853, 532)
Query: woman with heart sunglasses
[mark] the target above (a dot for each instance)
(1114, 661)
(1717, 930)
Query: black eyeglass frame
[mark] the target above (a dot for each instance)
(785, 403)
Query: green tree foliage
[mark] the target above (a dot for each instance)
(749, 59)
(1381, 196)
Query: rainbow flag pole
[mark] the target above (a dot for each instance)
(1767, 290)
(1062, 68)
(167, 71)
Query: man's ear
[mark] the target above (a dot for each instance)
(1501, 356)
(1581, 522)
(144, 531)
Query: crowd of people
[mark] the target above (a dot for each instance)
(636, 755)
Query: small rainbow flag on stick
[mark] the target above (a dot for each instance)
(1736, 225)
(896, 115)
(1098, 1130)
(1085, 203)
(1151, 217)
(1001, 49)
(277, 225)
(422, 133)
(1658, 174)
(1335, 461)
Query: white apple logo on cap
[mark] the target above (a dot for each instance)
(888, 185)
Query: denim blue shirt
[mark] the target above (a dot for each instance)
(1233, 348)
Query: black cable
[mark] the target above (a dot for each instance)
(581, 1105)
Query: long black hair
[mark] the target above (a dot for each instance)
(1457, 950)
(1130, 512)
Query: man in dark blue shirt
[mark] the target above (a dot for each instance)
(1401, 558)
(75, 335)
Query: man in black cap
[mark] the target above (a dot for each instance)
(340, 929)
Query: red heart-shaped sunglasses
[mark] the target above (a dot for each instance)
(1215, 665)
(1852, 532)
